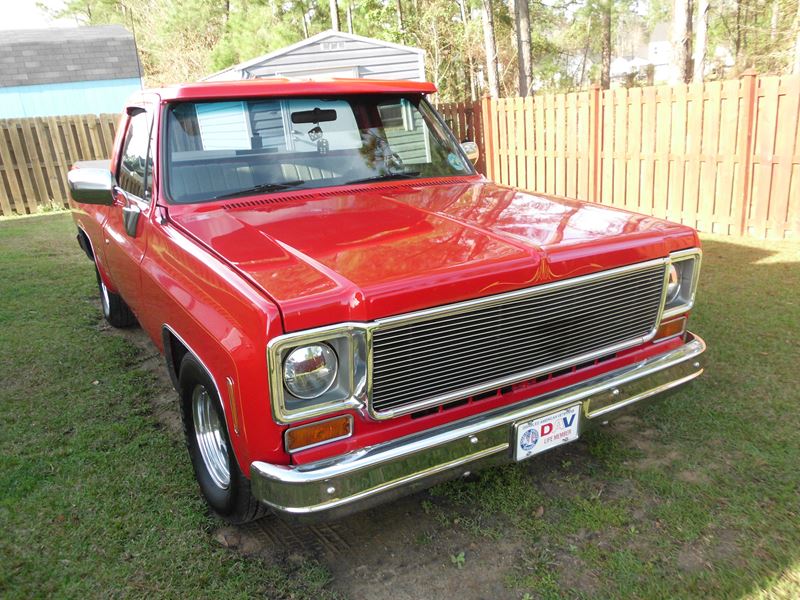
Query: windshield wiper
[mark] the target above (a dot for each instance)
(261, 188)
(385, 177)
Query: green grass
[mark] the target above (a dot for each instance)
(697, 495)
(95, 498)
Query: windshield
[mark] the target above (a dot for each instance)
(235, 148)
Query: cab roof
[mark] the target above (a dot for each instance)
(209, 90)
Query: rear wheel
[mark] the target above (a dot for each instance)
(115, 311)
(222, 483)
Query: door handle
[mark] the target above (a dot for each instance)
(130, 217)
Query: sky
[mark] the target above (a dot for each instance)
(27, 15)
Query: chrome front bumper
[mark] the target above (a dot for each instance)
(338, 486)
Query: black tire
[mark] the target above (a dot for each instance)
(115, 311)
(222, 483)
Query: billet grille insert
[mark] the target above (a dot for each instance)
(416, 363)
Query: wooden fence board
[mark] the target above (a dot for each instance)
(693, 158)
(519, 143)
(709, 153)
(763, 153)
(541, 172)
(633, 151)
(649, 130)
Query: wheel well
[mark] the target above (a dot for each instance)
(174, 351)
(85, 244)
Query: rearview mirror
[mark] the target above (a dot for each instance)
(91, 186)
(318, 115)
(471, 150)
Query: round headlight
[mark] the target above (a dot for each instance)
(673, 284)
(309, 371)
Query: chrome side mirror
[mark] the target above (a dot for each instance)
(91, 185)
(471, 150)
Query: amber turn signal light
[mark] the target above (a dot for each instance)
(321, 432)
(669, 329)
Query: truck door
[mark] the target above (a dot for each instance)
(127, 226)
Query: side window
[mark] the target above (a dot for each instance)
(405, 131)
(133, 166)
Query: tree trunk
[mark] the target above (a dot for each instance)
(400, 26)
(350, 16)
(302, 7)
(523, 21)
(700, 41)
(605, 73)
(681, 40)
(489, 48)
(470, 74)
(773, 25)
(334, 15)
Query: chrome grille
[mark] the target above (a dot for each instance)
(428, 359)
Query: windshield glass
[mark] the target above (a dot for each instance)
(235, 148)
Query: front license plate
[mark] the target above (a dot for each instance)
(547, 432)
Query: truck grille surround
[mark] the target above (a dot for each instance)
(421, 360)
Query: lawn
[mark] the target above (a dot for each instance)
(697, 495)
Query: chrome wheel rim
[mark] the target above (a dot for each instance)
(210, 437)
(104, 298)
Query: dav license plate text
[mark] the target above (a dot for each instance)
(549, 431)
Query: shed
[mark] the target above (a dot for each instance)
(333, 54)
(67, 71)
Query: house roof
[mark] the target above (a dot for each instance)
(60, 55)
(243, 66)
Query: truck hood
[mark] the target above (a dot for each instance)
(358, 254)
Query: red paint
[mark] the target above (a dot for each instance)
(228, 276)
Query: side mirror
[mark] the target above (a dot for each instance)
(471, 150)
(91, 185)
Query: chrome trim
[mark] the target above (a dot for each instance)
(344, 484)
(336, 439)
(681, 255)
(468, 305)
(277, 345)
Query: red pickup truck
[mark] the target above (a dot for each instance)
(349, 311)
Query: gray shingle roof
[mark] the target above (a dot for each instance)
(59, 55)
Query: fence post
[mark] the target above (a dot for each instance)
(489, 150)
(595, 131)
(749, 103)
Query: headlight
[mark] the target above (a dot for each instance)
(673, 284)
(316, 372)
(309, 371)
(684, 270)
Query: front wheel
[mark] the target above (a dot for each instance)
(223, 485)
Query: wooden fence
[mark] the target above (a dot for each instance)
(36, 153)
(723, 157)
